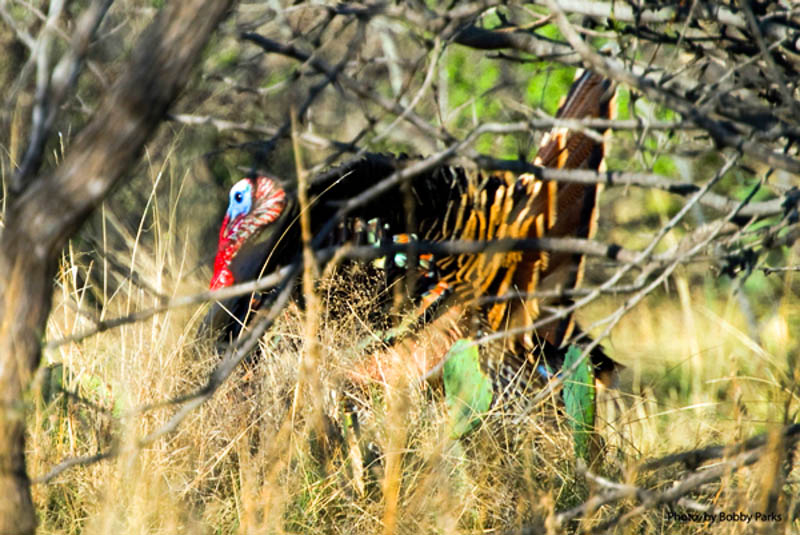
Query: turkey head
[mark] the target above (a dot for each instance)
(251, 228)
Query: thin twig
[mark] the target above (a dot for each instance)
(52, 89)
(741, 454)
(556, 383)
(614, 70)
(572, 245)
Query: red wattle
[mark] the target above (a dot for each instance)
(221, 279)
(222, 275)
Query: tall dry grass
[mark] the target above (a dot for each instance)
(256, 460)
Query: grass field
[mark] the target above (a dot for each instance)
(257, 458)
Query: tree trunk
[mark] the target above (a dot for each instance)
(54, 205)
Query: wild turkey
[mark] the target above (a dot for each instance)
(260, 232)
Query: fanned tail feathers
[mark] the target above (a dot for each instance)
(502, 206)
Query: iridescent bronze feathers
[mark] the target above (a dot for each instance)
(449, 204)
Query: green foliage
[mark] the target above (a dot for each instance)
(469, 82)
(623, 100)
(492, 19)
(665, 165)
(665, 114)
(757, 283)
(579, 400)
(468, 391)
(548, 87)
(661, 203)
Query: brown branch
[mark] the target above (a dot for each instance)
(483, 39)
(694, 458)
(54, 90)
(742, 454)
(264, 283)
(682, 487)
(71, 462)
(363, 253)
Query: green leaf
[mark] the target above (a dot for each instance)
(579, 399)
(546, 88)
(665, 165)
(468, 391)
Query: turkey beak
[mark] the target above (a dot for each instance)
(227, 225)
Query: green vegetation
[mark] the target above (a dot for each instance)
(579, 399)
(468, 391)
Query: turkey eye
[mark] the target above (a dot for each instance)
(238, 196)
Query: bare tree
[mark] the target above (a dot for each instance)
(49, 206)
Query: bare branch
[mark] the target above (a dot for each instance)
(364, 253)
(71, 462)
(721, 133)
(41, 54)
(54, 90)
(742, 454)
(694, 458)
(645, 180)
(704, 11)
(554, 384)
(358, 87)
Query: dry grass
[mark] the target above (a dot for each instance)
(256, 460)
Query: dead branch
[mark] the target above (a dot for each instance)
(720, 132)
(52, 89)
(738, 455)
(55, 204)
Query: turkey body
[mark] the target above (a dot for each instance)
(446, 293)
